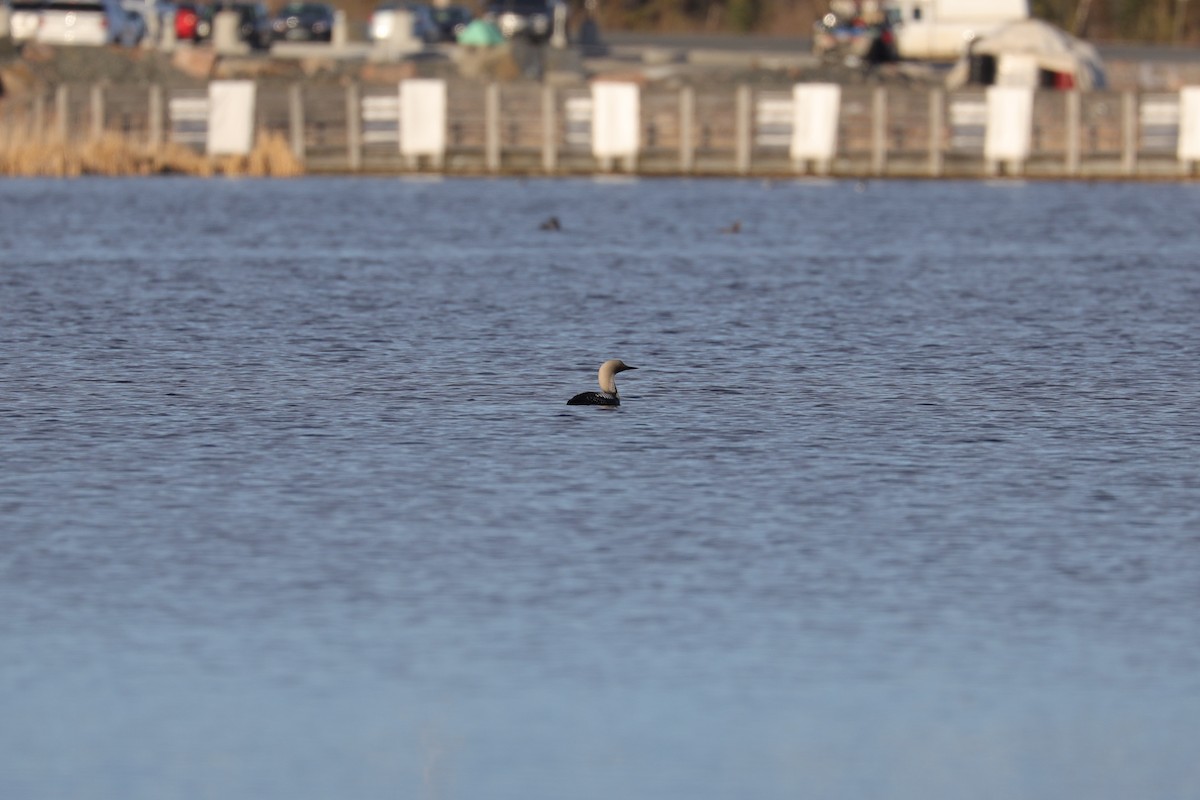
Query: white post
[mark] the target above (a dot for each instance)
(687, 128)
(154, 23)
(353, 127)
(97, 103)
(1072, 100)
(616, 123)
(167, 40)
(491, 106)
(549, 130)
(423, 120)
(340, 33)
(296, 120)
(62, 110)
(816, 110)
(879, 131)
(558, 36)
(225, 39)
(743, 130)
(1009, 127)
(937, 114)
(231, 112)
(1189, 128)
(400, 39)
(1129, 132)
(155, 112)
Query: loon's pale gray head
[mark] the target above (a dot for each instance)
(608, 372)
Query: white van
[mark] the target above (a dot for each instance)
(89, 22)
(940, 30)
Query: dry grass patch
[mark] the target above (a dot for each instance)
(25, 154)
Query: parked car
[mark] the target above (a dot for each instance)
(450, 21)
(154, 15)
(854, 40)
(254, 23)
(24, 18)
(187, 23)
(255, 27)
(303, 22)
(89, 22)
(531, 19)
(424, 27)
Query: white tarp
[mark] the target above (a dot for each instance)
(423, 117)
(815, 108)
(1051, 49)
(1009, 123)
(616, 112)
(230, 117)
(1189, 123)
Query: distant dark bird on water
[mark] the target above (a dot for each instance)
(551, 224)
(607, 396)
(736, 227)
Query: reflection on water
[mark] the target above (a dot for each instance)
(901, 501)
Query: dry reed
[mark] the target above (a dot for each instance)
(24, 153)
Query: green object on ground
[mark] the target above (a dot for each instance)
(481, 33)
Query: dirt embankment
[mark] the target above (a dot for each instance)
(35, 67)
(38, 68)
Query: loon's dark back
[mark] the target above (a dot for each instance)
(593, 399)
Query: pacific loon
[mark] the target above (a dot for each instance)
(607, 396)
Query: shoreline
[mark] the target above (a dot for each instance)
(107, 111)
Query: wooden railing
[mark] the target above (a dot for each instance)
(529, 128)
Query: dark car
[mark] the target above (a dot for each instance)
(303, 22)
(449, 20)
(531, 19)
(254, 24)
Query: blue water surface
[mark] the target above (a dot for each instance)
(902, 501)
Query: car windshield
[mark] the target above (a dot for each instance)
(24, 5)
(65, 5)
(520, 6)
